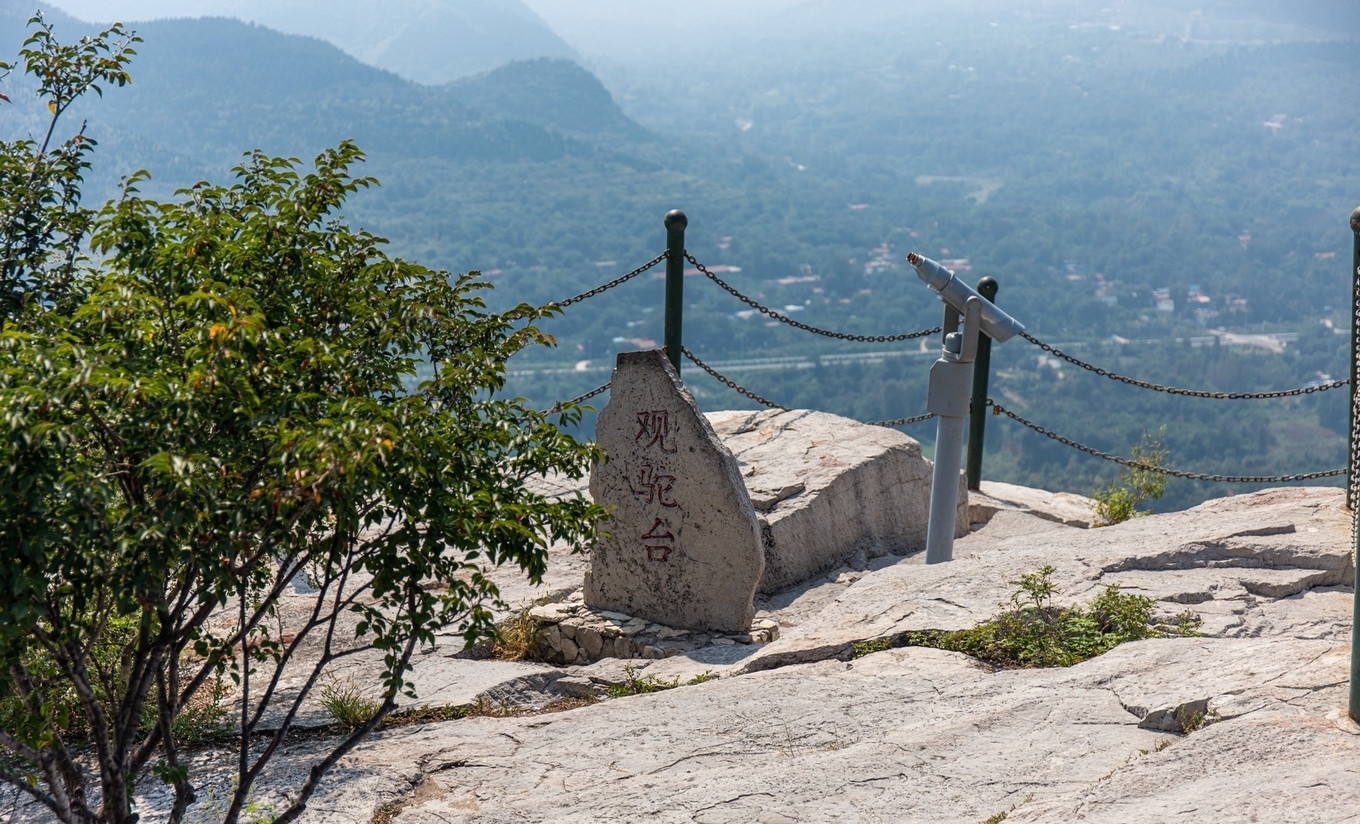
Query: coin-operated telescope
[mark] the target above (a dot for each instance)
(950, 379)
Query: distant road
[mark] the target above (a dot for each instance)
(1271, 342)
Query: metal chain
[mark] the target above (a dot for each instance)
(1194, 393)
(733, 385)
(782, 318)
(604, 287)
(582, 399)
(902, 421)
(998, 409)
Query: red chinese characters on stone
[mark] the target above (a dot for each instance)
(655, 425)
(658, 541)
(655, 485)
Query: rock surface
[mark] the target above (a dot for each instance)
(798, 730)
(682, 547)
(826, 488)
(1063, 507)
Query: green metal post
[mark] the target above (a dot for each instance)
(977, 415)
(675, 282)
(1350, 485)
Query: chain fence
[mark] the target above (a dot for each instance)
(741, 390)
(605, 287)
(730, 384)
(998, 409)
(1172, 390)
(783, 318)
(578, 399)
(1352, 470)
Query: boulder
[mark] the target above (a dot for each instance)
(826, 488)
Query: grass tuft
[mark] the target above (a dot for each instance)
(519, 638)
(347, 704)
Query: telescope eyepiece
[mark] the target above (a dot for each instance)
(996, 324)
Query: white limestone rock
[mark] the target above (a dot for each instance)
(790, 731)
(827, 488)
(992, 497)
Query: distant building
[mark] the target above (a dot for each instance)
(1161, 298)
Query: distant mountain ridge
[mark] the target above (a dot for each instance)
(204, 90)
(428, 41)
(556, 94)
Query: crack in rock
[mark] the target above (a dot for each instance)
(732, 800)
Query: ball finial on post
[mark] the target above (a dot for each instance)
(677, 222)
(987, 287)
(1355, 220)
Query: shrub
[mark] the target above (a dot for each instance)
(1135, 485)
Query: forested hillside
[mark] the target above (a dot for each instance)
(1137, 192)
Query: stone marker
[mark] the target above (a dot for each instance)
(683, 546)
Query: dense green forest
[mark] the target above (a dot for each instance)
(1135, 193)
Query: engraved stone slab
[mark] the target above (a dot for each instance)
(683, 545)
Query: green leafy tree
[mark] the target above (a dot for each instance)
(42, 224)
(223, 407)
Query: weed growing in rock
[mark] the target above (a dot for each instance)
(706, 675)
(519, 638)
(1135, 485)
(633, 685)
(202, 718)
(214, 806)
(346, 703)
(1193, 720)
(385, 813)
(863, 648)
(1161, 745)
(1004, 814)
(1034, 633)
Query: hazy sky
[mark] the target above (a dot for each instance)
(641, 33)
(565, 16)
(550, 9)
(609, 30)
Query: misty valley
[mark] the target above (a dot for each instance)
(1160, 190)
